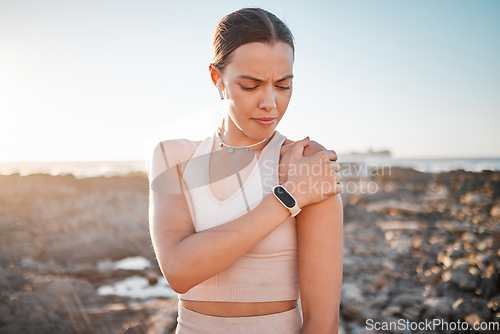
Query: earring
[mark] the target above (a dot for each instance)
(220, 90)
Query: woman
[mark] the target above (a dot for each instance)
(242, 217)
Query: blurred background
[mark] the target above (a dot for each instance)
(406, 92)
(93, 81)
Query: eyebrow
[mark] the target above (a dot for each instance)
(243, 76)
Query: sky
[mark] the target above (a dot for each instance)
(102, 80)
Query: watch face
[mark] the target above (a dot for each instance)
(284, 196)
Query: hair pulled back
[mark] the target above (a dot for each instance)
(247, 25)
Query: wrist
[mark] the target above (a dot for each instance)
(292, 189)
(286, 199)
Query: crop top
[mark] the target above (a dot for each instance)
(269, 271)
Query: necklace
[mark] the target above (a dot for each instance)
(230, 148)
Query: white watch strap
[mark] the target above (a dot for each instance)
(295, 210)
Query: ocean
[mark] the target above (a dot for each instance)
(82, 169)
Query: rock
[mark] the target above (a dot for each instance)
(379, 282)
(351, 292)
(5, 315)
(400, 225)
(494, 304)
(152, 280)
(379, 302)
(392, 269)
(437, 193)
(350, 265)
(12, 279)
(456, 251)
(471, 307)
(488, 285)
(482, 260)
(457, 228)
(350, 313)
(408, 301)
(496, 236)
(136, 329)
(412, 313)
(388, 264)
(401, 244)
(461, 277)
(445, 260)
(472, 319)
(437, 307)
(393, 310)
(29, 263)
(495, 211)
(394, 207)
(469, 237)
(474, 198)
(484, 244)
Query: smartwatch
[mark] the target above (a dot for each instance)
(286, 199)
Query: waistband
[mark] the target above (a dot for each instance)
(191, 322)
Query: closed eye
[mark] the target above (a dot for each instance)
(248, 88)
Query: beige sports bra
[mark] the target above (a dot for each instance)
(269, 271)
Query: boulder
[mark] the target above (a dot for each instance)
(474, 308)
(495, 211)
(395, 207)
(461, 277)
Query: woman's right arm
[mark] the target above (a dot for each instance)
(186, 257)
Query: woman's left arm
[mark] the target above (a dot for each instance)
(320, 246)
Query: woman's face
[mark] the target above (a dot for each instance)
(258, 85)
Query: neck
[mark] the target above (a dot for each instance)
(231, 135)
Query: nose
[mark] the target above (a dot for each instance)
(268, 101)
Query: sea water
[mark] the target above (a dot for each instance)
(136, 286)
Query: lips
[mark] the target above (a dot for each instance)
(265, 121)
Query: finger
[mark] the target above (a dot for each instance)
(336, 189)
(335, 155)
(330, 155)
(336, 167)
(299, 146)
(338, 178)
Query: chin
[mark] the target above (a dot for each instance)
(264, 132)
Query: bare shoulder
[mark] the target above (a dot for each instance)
(171, 152)
(177, 149)
(310, 149)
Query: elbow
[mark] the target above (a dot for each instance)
(174, 272)
(177, 281)
(177, 285)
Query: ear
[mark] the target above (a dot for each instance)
(214, 73)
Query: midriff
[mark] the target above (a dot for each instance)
(237, 309)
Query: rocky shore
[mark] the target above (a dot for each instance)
(417, 246)
(422, 248)
(56, 232)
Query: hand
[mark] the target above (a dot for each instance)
(314, 178)
(285, 159)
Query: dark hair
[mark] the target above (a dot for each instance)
(247, 25)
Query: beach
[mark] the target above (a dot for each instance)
(417, 246)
